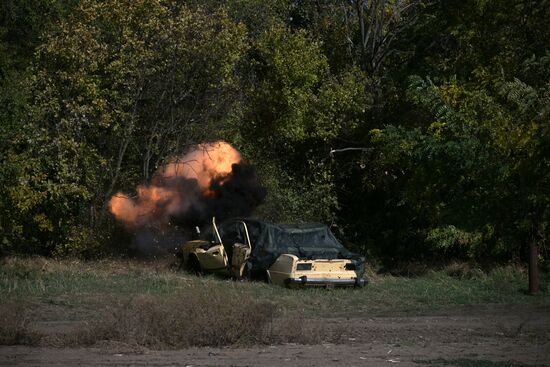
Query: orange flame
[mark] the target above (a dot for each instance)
(204, 163)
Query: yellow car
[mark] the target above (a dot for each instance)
(287, 255)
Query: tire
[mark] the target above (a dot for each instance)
(193, 265)
(179, 263)
(257, 276)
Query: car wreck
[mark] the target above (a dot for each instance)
(299, 255)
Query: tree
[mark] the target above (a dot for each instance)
(118, 88)
(450, 170)
(295, 109)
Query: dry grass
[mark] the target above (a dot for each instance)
(26, 266)
(199, 320)
(295, 328)
(137, 303)
(463, 270)
(181, 320)
(14, 326)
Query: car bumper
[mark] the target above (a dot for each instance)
(325, 282)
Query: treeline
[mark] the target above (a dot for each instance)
(418, 129)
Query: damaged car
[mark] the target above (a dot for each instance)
(299, 255)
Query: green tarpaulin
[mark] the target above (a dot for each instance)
(269, 241)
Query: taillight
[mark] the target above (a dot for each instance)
(303, 266)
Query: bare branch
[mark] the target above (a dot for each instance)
(332, 151)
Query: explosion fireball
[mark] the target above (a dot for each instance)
(210, 180)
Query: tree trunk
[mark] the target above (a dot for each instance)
(533, 268)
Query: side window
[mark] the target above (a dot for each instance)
(242, 233)
(228, 233)
(233, 235)
(208, 235)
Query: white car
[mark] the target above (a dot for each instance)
(288, 255)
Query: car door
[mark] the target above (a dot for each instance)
(241, 251)
(214, 258)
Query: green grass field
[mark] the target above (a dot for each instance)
(76, 283)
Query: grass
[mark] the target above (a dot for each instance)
(75, 283)
(151, 304)
(174, 321)
(14, 326)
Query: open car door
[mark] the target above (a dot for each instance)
(241, 253)
(214, 257)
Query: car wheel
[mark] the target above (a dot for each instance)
(194, 266)
(261, 276)
(179, 262)
(245, 274)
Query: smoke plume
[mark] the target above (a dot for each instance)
(210, 180)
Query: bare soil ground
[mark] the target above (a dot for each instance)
(481, 335)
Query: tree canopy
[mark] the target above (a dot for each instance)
(445, 104)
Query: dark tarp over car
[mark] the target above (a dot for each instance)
(311, 241)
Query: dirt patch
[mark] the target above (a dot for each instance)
(496, 333)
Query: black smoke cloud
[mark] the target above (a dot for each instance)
(234, 195)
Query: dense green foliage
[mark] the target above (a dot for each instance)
(448, 103)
